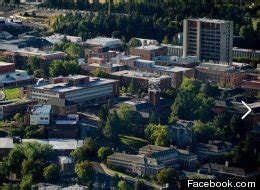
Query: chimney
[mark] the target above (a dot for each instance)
(154, 92)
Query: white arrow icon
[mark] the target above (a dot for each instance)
(249, 110)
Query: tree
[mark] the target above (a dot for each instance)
(85, 172)
(167, 175)
(245, 155)
(17, 116)
(139, 185)
(3, 171)
(125, 116)
(26, 183)
(38, 73)
(78, 154)
(165, 40)
(29, 159)
(73, 50)
(191, 103)
(122, 185)
(86, 152)
(158, 134)
(246, 32)
(116, 34)
(33, 62)
(154, 118)
(51, 173)
(103, 115)
(56, 68)
(26, 14)
(113, 126)
(135, 42)
(64, 68)
(104, 152)
(99, 73)
(107, 130)
(203, 131)
(131, 88)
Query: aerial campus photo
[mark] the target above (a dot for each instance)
(129, 94)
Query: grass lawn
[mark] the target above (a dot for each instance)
(132, 141)
(12, 93)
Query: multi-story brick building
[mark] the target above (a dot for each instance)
(136, 164)
(10, 77)
(170, 157)
(20, 56)
(106, 67)
(9, 108)
(79, 89)
(209, 39)
(176, 73)
(140, 79)
(222, 75)
(148, 52)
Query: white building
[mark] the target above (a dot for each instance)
(40, 115)
(11, 77)
(79, 89)
(58, 38)
(104, 42)
(239, 53)
(209, 39)
(174, 50)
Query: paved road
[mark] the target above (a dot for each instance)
(127, 177)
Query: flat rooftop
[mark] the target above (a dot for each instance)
(170, 69)
(105, 65)
(37, 52)
(149, 47)
(245, 50)
(136, 159)
(145, 61)
(5, 63)
(65, 87)
(218, 67)
(41, 109)
(103, 41)
(58, 144)
(172, 46)
(6, 143)
(217, 21)
(128, 57)
(138, 74)
(154, 148)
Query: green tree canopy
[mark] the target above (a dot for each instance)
(104, 152)
(86, 152)
(85, 172)
(73, 50)
(191, 103)
(99, 73)
(158, 134)
(26, 183)
(167, 176)
(123, 185)
(64, 68)
(134, 42)
(51, 173)
(29, 159)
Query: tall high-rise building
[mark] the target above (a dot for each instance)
(209, 39)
